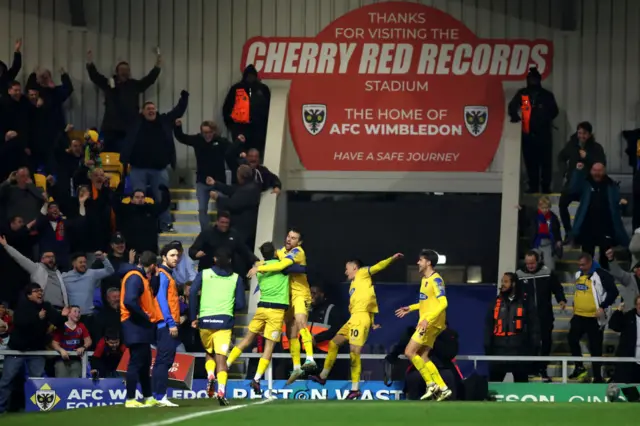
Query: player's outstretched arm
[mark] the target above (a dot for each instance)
(276, 267)
(384, 263)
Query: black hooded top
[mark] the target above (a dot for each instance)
(260, 97)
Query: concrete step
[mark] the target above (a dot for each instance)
(182, 194)
(185, 239)
(190, 215)
(191, 204)
(187, 227)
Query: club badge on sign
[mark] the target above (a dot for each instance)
(314, 116)
(476, 118)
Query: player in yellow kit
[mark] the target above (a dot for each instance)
(432, 308)
(298, 312)
(363, 305)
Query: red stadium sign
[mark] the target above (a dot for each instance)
(180, 373)
(396, 86)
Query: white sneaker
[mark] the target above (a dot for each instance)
(429, 394)
(294, 376)
(444, 395)
(164, 402)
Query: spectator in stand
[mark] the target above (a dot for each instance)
(82, 282)
(15, 115)
(73, 337)
(69, 161)
(18, 236)
(581, 148)
(20, 197)
(628, 325)
(45, 274)
(6, 321)
(138, 317)
(7, 75)
(242, 201)
(222, 235)
(598, 221)
(246, 109)
(185, 271)
(107, 355)
(594, 295)
(536, 108)
(547, 237)
(107, 317)
(540, 283)
(138, 220)
(117, 256)
(630, 281)
(121, 99)
(262, 175)
(325, 319)
(211, 150)
(32, 321)
(512, 329)
(150, 150)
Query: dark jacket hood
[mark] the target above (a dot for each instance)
(249, 70)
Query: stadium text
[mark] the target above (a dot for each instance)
(445, 157)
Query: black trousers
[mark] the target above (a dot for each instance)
(580, 326)
(113, 140)
(138, 370)
(537, 151)
(627, 372)
(546, 337)
(563, 205)
(603, 244)
(498, 369)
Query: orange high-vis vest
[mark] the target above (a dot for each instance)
(240, 112)
(146, 301)
(172, 298)
(498, 329)
(525, 108)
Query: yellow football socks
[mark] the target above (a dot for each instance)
(330, 359)
(233, 355)
(294, 349)
(210, 366)
(433, 370)
(263, 364)
(222, 381)
(307, 340)
(421, 366)
(356, 369)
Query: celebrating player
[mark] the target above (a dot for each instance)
(221, 293)
(363, 305)
(432, 308)
(297, 314)
(269, 317)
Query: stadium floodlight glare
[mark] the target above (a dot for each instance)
(442, 259)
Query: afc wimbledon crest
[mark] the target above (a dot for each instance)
(314, 116)
(45, 398)
(475, 118)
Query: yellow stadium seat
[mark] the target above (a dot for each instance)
(147, 200)
(114, 179)
(111, 162)
(41, 181)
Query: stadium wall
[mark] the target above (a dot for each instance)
(595, 66)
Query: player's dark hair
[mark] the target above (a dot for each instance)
(512, 277)
(168, 247)
(148, 258)
(75, 256)
(430, 255)
(297, 231)
(355, 261)
(586, 126)
(268, 251)
(223, 214)
(222, 258)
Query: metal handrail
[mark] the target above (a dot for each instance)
(564, 360)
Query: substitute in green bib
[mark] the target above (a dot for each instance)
(216, 294)
(269, 317)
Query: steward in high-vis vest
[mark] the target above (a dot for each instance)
(536, 109)
(511, 329)
(216, 294)
(139, 317)
(269, 317)
(246, 109)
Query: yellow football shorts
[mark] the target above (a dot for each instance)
(268, 322)
(215, 341)
(300, 303)
(428, 338)
(356, 329)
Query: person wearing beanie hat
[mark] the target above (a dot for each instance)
(121, 98)
(536, 108)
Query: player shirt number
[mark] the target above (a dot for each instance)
(354, 332)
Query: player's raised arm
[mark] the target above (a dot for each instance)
(273, 267)
(383, 264)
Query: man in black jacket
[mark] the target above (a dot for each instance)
(242, 202)
(32, 320)
(138, 220)
(581, 148)
(211, 150)
(536, 108)
(540, 283)
(511, 329)
(628, 325)
(149, 149)
(7, 75)
(262, 175)
(220, 234)
(121, 99)
(15, 115)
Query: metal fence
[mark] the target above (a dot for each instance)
(564, 360)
